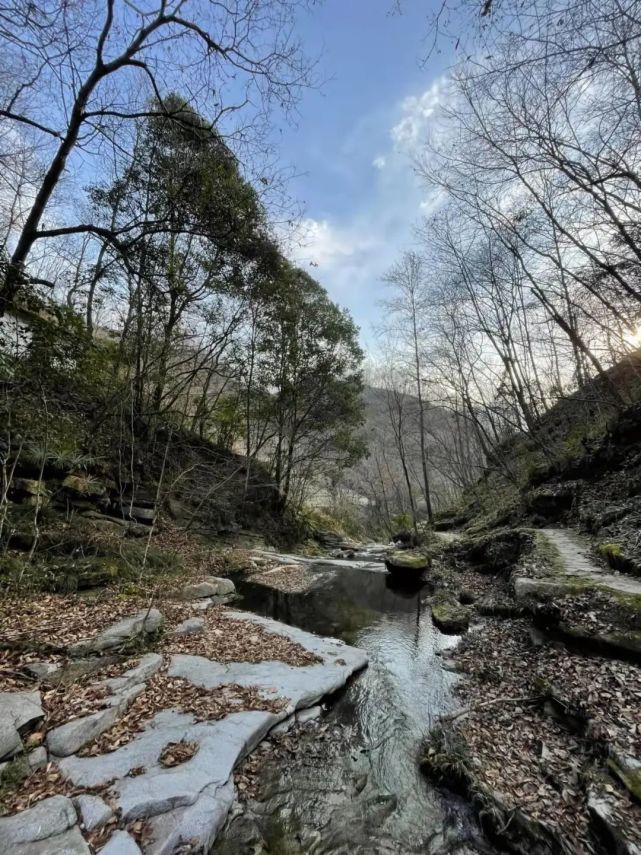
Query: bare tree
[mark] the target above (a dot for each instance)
(103, 61)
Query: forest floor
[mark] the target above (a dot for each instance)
(548, 737)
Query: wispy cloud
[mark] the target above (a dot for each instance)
(417, 113)
(350, 253)
(320, 244)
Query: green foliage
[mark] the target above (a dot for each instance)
(610, 551)
(308, 380)
(402, 522)
(227, 422)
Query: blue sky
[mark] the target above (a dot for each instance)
(354, 142)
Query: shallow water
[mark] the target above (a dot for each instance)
(353, 784)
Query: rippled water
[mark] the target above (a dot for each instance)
(353, 784)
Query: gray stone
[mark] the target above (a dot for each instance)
(124, 631)
(191, 801)
(121, 843)
(608, 827)
(311, 714)
(70, 842)
(146, 668)
(284, 726)
(10, 742)
(202, 605)
(47, 818)
(191, 626)
(94, 812)
(72, 736)
(41, 670)
(212, 586)
(19, 711)
(146, 514)
(37, 758)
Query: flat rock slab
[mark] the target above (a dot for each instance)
(73, 735)
(372, 565)
(212, 586)
(191, 801)
(574, 554)
(123, 632)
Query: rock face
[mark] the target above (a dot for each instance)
(19, 711)
(145, 622)
(190, 802)
(213, 586)
(608, 827)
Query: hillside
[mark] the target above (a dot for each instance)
(582, 468)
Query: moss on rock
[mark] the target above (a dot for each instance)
(450, 616)
(408, 561)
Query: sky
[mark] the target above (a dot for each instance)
(354, 142)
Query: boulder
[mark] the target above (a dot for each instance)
(495, 552)
(407, 563)
(19, 711)
(450, 616)
(28, 487)
(41, 670)
(94, 812)
(47, 819)
(191, 626)
(628, 770)
(145, 622)
(202, 605)
(212, 586)
(551, 504)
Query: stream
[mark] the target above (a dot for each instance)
(352, 784)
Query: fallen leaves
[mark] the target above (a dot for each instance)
(164, 692)
(288, 578)
(52, 622)
(227, 639)
(535, 761)
(175, 753)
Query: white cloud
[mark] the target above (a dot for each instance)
(320, 243)
(349, 249)
(417, 112)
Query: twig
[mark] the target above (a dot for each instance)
(531, 699)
